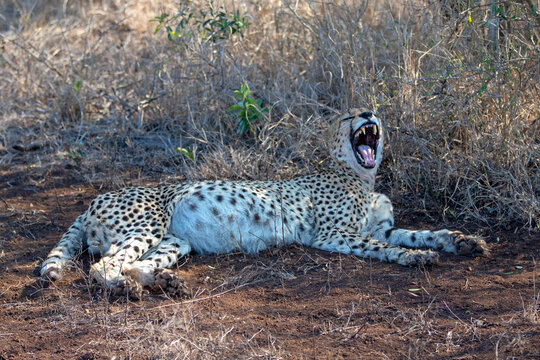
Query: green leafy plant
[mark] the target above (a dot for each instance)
(74, 152)
(209, 24)
(190, 154)
(77, 85)
(247, 109)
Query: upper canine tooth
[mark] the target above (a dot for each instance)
(374, 129)
(363, 130)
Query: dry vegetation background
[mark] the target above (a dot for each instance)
(88, 90)
(462, 112)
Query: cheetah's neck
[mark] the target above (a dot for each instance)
(367, 178)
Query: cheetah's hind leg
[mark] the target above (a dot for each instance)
(107, 275)
(152, 269)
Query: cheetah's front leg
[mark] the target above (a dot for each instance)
(343, 241)
(453, 242)
(72, 242)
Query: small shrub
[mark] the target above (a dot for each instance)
(247, 109)
(209, 24)
(74, 151)
(190, 154)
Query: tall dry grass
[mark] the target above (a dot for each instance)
(455, 82)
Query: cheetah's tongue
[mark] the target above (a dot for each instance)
(367, 154)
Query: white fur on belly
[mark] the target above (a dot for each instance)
(247, 224)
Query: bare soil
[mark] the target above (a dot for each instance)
(292, 303)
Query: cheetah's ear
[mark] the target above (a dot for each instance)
(349, 114)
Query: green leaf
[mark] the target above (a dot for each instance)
(77, 85)
(186, 152)
(415, 289)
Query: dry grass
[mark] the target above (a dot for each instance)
(462, 117)
(462, 114)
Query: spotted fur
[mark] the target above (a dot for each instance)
(141, 232)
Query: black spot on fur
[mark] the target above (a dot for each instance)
(389, 232)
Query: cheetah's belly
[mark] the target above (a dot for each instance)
(221, 222)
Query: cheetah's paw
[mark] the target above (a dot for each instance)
(469, 244)
(51, 273)
(170, 283)
(119, 287)
(126, 286)
(456, 242)
(52, 268)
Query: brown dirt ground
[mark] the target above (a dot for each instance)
(293, 303)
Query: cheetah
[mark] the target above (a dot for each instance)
(142, 232)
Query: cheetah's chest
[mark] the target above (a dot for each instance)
(220, 217)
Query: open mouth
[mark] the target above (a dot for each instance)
(364, 142)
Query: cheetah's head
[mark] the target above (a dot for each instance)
(359, 142)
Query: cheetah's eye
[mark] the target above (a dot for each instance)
(364, 142)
